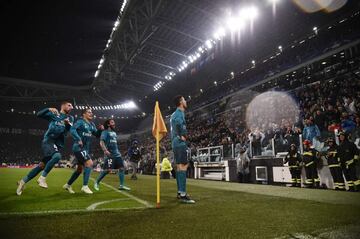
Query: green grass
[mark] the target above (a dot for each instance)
(223, 210)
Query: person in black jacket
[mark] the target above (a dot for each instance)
(334, 164)
(293, 158)
(349, 156)
(310, 160)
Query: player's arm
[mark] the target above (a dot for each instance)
(104, 148)
(74, 133)
(97, 131)
(181, 126)
(68, 123)
(48, 113)
(103, 145)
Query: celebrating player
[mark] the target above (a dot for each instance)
(54, 139)
(81, 132)
(112, 156)
(179, 146)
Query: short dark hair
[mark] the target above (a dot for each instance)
(85, 110)
(177, 100)
(107, 123)
(65, 102)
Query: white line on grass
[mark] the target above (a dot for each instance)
(94, 205)
(66, 211)
(145, 203)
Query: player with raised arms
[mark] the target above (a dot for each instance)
(53, 141)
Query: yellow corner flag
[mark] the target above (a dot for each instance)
(159, 131)
(159, 128)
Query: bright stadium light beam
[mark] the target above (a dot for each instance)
(220, 33)
(249, 13)
(273, 3)
(235, 24)
(208, 44)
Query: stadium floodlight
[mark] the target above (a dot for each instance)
(219, 33)
(123, 6)
(201, 90)
(249, 13)
(101, 60)
(253, 62)
(191, 59)
(235, 23)
(215, 83)
(280, 48)
(315, 29)
(198, 55)
(323, 63)
(96, 73)
(116, 23)
(208, 44)
(34, 112)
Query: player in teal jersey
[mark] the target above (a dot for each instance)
(179, 147)
(112, 156)
(53, 141)
(82, 131)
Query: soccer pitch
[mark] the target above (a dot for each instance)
(222, 210)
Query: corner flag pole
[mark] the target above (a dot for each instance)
(157, 168)
(157, 161)
(158, 131)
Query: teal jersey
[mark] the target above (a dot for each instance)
(57, 129)
(110, 139)
(178, 128)
(83, 130)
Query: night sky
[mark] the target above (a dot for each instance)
(55, 41)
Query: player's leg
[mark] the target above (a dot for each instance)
(33, 173)
(87, 171)
(119, 164)
(105, 171)
(74, 176)
(177, 156)
(50, 150)
(182, 165)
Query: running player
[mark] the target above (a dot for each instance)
(179, 147)
(112, 156)
(53, 142)
(82, 131)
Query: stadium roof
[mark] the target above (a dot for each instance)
(62, 43)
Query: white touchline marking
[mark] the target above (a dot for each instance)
(66, 211)
(94, 205)
(145, 203)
